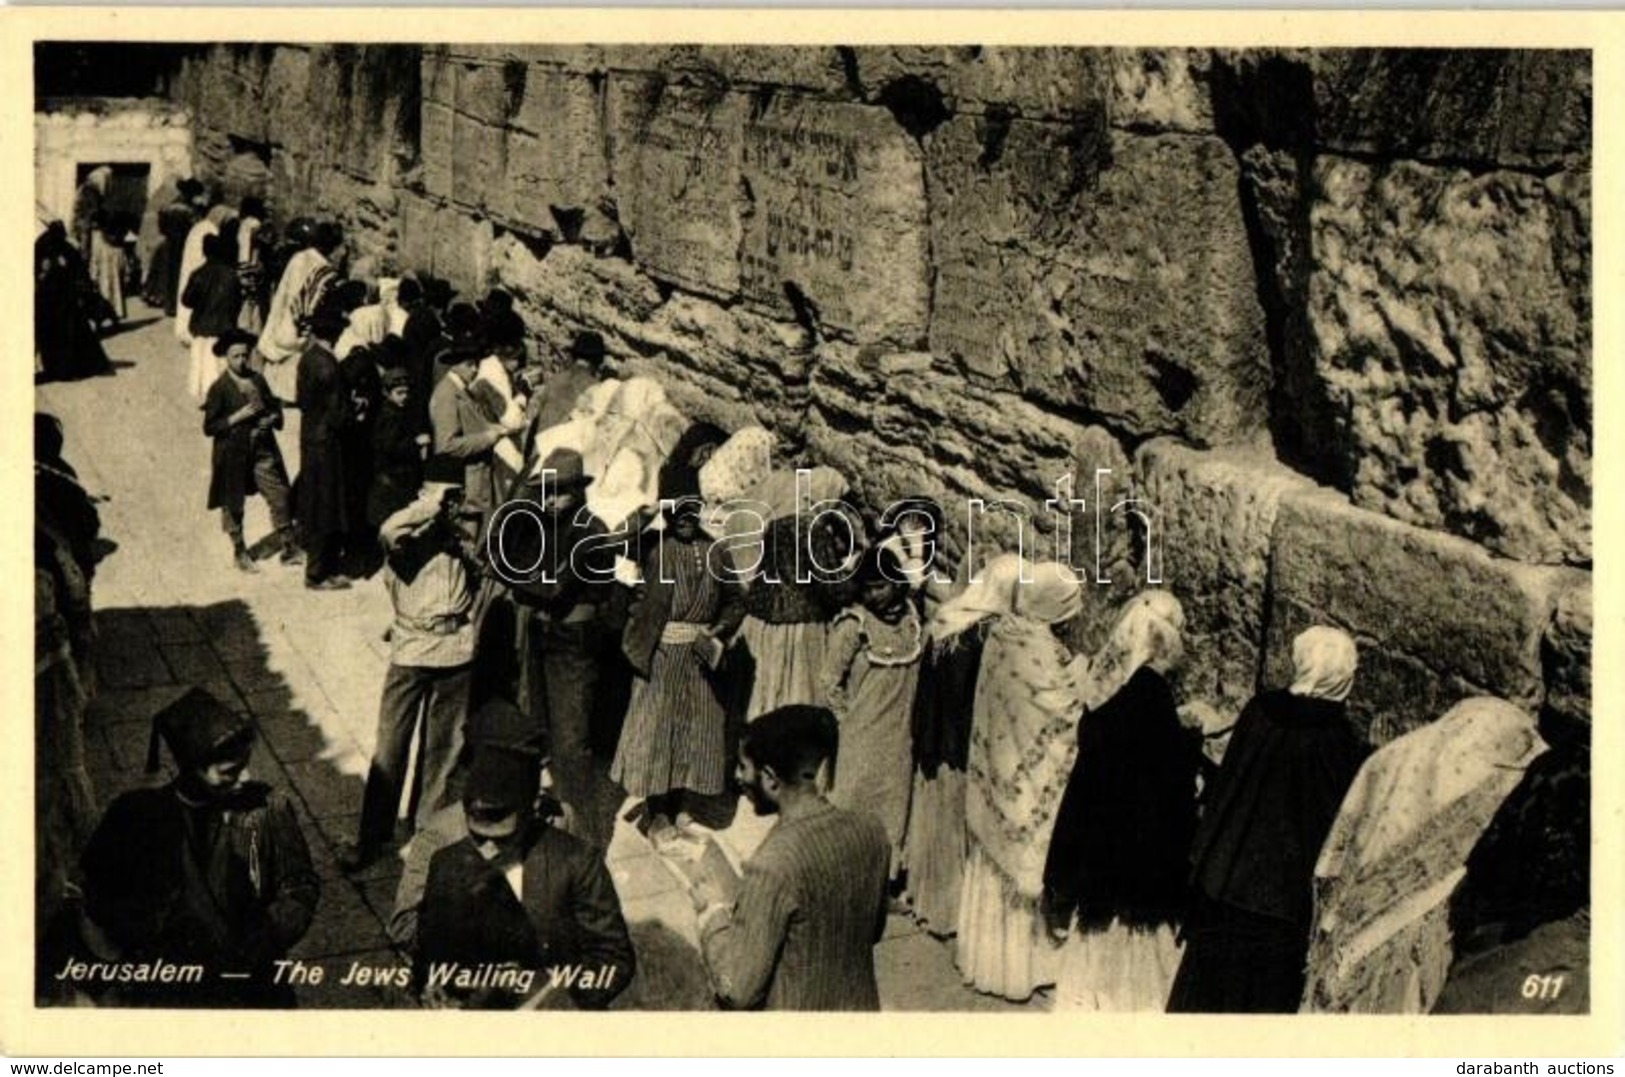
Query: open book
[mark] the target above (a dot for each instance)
(694, 857)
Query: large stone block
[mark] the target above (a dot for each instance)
(1211, 516)
(1566, 654)
(490, 92)
(478, 162)
(1501, 106)
(1036, 82)
(1457, 348)
(435, 142)
(439, 75)
(1437, 618)
(557, 152)
(286, 98)
(837, 214)
(675, 158)
(1161, 89)
(1105, 275)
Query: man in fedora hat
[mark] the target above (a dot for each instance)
(210, 870)
(429, 577)
(517, 910)
(461, 429)
(571, 565)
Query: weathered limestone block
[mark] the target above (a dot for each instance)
(570, 289)
(837, 209)
(490, 92)
(1437, 618)
(1161, 89)
(556, 148)
(1451, 340)
(440, 240)
(1212, 515)
(1122, 290)
(439, 75)
(1566, 654)
(675, 159)
(1037, 82)
(817, 68)
(435, 141)
(1511, 107)
(478, 163)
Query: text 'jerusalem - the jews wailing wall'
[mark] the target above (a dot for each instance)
(1327, 313)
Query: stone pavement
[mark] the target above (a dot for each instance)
(172, 609)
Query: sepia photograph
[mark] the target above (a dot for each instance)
(986, 529)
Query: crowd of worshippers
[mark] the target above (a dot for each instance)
(935, 742)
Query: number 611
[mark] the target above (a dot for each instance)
(1542, 987)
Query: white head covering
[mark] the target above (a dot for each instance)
(738, 465)
(992, 593)
(1323, 661)
(1050, 595)
(1147, 630)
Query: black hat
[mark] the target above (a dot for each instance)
(501, 723)
(502, 779)
(393, 377)
(588, 347)
(198, 729)
(569, 470)
(223, 342)
(189, 188)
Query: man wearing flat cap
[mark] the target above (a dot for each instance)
(571, 558)
(429, 576)
(210, 870)
(517, 909)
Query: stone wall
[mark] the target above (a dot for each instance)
(1326, 312)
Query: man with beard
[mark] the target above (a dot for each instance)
(208, 871)
(811, 905)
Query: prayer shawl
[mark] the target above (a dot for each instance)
(1381, 941)
(303, 284)
(1023, 744)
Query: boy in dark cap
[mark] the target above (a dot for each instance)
(398, 447)
(520, 896)
(241, 414)
(210, 870)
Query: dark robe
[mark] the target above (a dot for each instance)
(64, 307)
(325, 411)
(422, 338)
(397, 462)
(570, 916)
(214, 296)
(175, 221)
(363, 391)
(940, 721)
(236, 448)
(1122, 839)
(1265, 818)
(229, 886)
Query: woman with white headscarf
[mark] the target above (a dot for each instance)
(1029, 697)
(1115, 882)
(1291, 758)
(1381, 941)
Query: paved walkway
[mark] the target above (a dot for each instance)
(173, 609)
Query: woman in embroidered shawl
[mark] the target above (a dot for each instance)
(1029, 698)
(1115, 882)
(1265, 815)
(871, 668)
(1381, 941)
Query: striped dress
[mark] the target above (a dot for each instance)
(675, 732)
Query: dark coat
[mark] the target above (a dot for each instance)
(397, 462)
(1288, 765)
(228, 886)
(1122, 840)
(215, 296)
(570, 914)
(652, 610)
(237, 447)
(325, 412)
